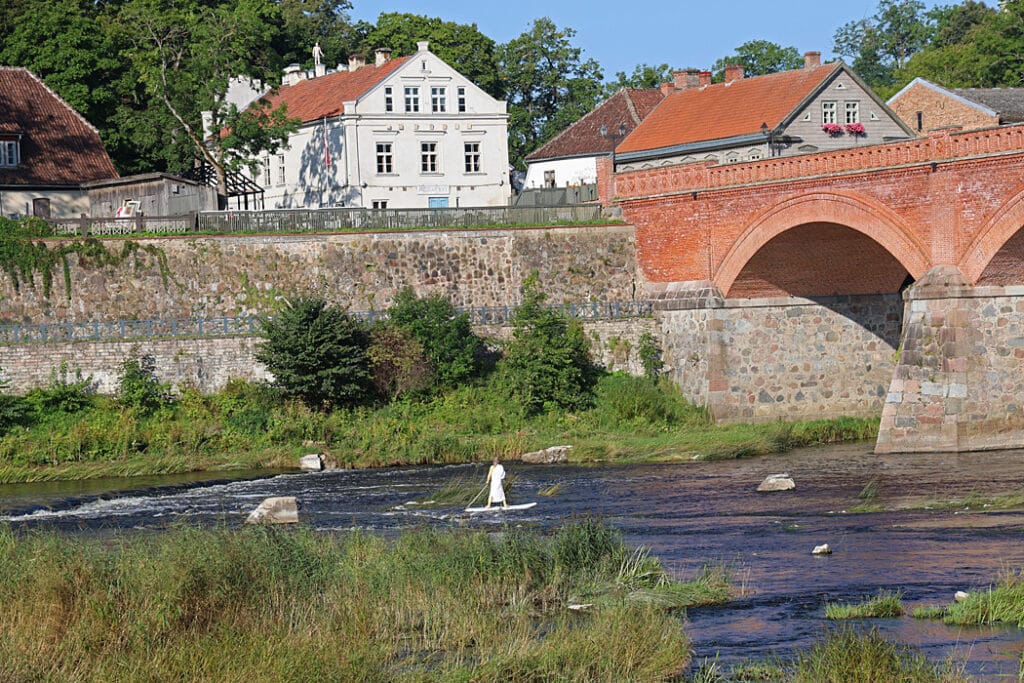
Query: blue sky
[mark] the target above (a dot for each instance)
(621, 35)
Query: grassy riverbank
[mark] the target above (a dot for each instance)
(248, 426)
(257, 604)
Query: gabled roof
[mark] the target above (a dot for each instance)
(58, 146)
(924, 83)
(727, 110)
(583, 138)
(315, 98)
(1008, 103)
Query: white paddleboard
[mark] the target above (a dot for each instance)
(498, 508)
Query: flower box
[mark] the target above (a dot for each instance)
(833, 129)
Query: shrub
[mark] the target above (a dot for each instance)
(399, 364)
(13, 409)
(317, 353)
(448, 340)
(138, 387)
(547, 363)
(61, 394)
(650, 356)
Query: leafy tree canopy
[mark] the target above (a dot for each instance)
(461, 45)
(879, 46)
(759, 57)
(643, 76)
(548, 85)
(304, 23)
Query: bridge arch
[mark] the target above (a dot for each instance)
(993, 236)
(869, 218)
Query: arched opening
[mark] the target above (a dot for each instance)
(1007, 265)
(819, 260)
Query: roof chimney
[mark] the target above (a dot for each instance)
(685, 80)
(422, 45)
(382, 56)
(355, 62)
(733, 72)
(666, 88)
(704, 78)
(812, 59)
(292, 74)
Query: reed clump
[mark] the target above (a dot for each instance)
(883, 605)
(291, 605)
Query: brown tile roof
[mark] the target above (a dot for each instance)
(725, 110)
(315, 98)
(583, 138)
(58, 146)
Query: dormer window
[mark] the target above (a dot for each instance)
(10, 153)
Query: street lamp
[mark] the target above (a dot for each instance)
(614, 137)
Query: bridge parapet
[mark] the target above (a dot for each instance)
(943, 145)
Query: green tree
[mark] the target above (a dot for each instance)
(643, 76)
(461, 45)
(308, 22)
(184, 54)
(317, 353)
(548, 85)
(759, 57)
(447, 337)
(953, 24)
(547, 363)
(138, 388)
(883, 44)
(13, 409)
(398, 363)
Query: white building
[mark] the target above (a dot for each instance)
(410, 132)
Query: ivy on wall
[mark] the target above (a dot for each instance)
(23, 254)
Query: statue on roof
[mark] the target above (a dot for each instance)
(318, 54)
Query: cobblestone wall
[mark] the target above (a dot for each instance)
(217, 276)
(209, 363)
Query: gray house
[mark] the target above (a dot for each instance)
(818, 108)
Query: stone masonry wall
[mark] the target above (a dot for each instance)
(959, 383)
(218, 276)
(764, 359)
(207, 364)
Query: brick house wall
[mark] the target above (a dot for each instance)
(938, 110)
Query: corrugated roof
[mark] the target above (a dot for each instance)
(725, 110)
(583, 138)
(315, 98)
(1007, 102)
(58, 146)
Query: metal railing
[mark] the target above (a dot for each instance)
(249, 325)
(116, 227)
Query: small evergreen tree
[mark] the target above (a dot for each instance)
(317, 353)
(547, 363)
(138, 387)
(446, 336)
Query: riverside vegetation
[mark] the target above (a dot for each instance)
(420, 388)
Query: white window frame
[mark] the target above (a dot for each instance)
(828, 111)
(852, 112)
(380, 204)
(281, 172)
(412, 99)
(430, 158)
(389, 100)
(472, 154)
(10, 153)
(385, 158)
(267, 174)
(462, 99)
(439, 99)
(755, 155)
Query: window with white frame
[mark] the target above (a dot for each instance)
(266, 171)
(438, 100)
(462, 100)
(385, 160)
(852, 112)
(828, 112)
(380, 203)
(428, 157)
(755, 155)
(472, 157)
(412, 99)
(389, 102)
(9, 153)
(280, 169)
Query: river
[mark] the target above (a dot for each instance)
(688, 514)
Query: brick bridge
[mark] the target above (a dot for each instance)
(883, 279)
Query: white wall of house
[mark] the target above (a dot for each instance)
(571, 171)
(64, 203)
(370, 156)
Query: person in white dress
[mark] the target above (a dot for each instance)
(495, 476)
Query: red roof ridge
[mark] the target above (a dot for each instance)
(53, 94)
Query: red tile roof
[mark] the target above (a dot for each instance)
(725, 110)
(58, 146)
(315, 98)
(583, 138)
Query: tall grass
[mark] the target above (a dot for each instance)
(267, 604)
(1001, 603)
(885, 604)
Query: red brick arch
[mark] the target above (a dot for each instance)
(1004, 224)
(865, 216)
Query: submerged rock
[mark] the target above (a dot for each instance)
(548, 456)
(279, 510)
(777, 482)
(311, 463)
(822, 549)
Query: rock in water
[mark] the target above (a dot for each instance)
(280, 510)
(311, 463)
(960, 596)
(548, 456)
(822, 549)
(777, 482)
